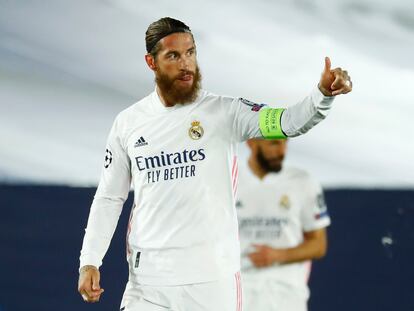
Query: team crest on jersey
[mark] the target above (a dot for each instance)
(254, 107)
(284, 202)
(196, 131)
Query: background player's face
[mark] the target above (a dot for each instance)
(270, 154)
(176, 70)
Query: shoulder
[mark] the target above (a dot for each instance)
(301, 177)
(210, 97)
(297, 173)
(127, 118)
(131, 112)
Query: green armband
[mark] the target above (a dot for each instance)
(269, 123)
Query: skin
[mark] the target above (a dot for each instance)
(88, 284)
(334, 81)
(314, 244)
(178, 60)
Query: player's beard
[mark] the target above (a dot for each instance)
(273, 165)
(178, 95)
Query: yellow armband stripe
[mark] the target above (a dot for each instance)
(269, 123)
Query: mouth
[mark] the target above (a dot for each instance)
(186, 78)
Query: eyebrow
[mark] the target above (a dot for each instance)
(176, 52)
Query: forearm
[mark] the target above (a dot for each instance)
(307, 250)
(300, 118)
(102, 222)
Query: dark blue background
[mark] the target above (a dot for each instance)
(41, 231)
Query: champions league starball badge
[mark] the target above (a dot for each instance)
(195, 131)
(108, 158)
(254, 107)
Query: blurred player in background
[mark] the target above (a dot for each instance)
(282, 220)
(178, 148)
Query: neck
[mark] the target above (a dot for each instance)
(256, 168)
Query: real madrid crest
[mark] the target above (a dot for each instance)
(284, 201)
(195, 131)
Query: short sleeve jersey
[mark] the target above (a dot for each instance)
(276, 211)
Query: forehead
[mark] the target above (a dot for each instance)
(177, 41)
(272, 142)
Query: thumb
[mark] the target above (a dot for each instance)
(95, 281)
(327, 64)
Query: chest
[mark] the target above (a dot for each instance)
(269, 201)
(177, 146)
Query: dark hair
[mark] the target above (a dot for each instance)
(160, 29)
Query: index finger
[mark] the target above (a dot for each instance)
(339, 81)
(90, 298)
(86, 288)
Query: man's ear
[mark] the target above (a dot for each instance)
(150, 60)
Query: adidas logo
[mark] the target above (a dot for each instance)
(140, 142)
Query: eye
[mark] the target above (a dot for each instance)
(172, 56)
(190, 52)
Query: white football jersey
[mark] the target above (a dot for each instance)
(182, 163)
(275, 211)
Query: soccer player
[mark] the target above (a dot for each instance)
(177, 146)
(282, 220)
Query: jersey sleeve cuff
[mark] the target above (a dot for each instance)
(321, 223)
(321, 100)
(89, 260)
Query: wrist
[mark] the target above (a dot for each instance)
(279, 255)
(324, 91)
(87, 268)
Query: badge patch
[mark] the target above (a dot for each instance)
(284, 202)
(137, 259)
(108, 158)
(323, 210)
(254, 107)
(196, 131)
(321, 202)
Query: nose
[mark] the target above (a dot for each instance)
(184, 63)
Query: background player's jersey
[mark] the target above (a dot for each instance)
(276, 211)
(182, 163)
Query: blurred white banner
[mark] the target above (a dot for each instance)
(68, 67)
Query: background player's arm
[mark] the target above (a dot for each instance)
(313, 246)
(106, 208)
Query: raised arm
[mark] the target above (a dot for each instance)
(300, 118)
(252, 120)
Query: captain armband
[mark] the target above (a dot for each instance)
(270, 123)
